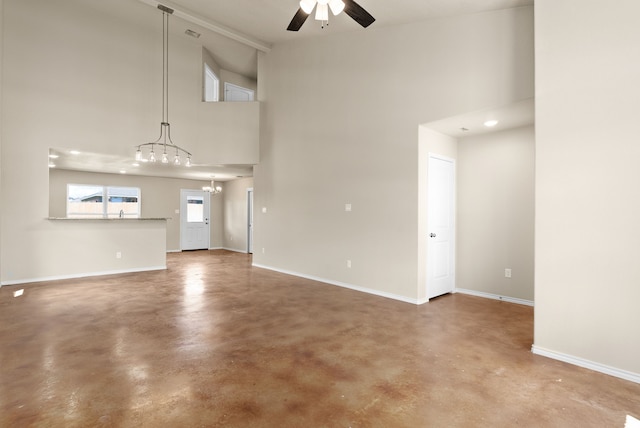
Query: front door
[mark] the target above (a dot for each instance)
(441, 226)
(194, 219)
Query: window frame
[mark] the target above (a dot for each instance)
(106, 194)
(210, 76)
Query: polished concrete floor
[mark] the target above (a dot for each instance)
(215, 342)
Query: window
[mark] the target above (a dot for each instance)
(195, 209)
(90, 201)
(211, 85)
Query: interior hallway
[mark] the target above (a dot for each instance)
(214, 342)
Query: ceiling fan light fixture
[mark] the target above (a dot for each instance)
(307, 5)
(350, 7)
(322, 12)
(336, 6)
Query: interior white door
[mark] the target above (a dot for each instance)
(441, 226)
(237, 93)
(194, 219)
(250, 221)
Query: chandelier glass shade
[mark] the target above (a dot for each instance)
(168, 152)
(322, 8)
(213, 188)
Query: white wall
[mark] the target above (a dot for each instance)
(87, 75)
(495, 221)
(587, 174)
(160, 197)
(236, 214)
(341, 126)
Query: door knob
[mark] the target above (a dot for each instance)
(432, 235)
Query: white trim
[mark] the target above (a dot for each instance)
(214, 26)
(343, 285)
(83, 275)
(234, 250)
(174, 251)
(587, 364)
(494, 296)
(250, 219)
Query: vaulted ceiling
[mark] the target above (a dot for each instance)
(235, 30)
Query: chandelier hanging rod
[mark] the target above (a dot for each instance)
(164, 140)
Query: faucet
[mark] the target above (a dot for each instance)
(121, 214)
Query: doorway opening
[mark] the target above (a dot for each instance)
(194, 219)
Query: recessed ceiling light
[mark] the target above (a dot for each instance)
(52, 165)
(74, 152)
(491, 123)
(122, 171)
(52, 156)
(135, 164)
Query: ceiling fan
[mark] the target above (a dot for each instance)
(350, 7)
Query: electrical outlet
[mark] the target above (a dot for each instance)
(262, 250)
(118, 255)
(347, 207)
(349, 264)
(507, 273)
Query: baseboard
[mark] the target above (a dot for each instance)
(234, 250)
(343, 285)
(82, 275)
(494, 296)
(587, 364)
(212, 248)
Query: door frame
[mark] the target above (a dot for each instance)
(452, 251)
(183, 215)
(250, 220)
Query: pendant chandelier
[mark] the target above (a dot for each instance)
(163, 143)
(212, 188)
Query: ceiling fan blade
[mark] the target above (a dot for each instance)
(359, 15)
(298, 20)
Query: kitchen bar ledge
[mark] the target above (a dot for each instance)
(111, 219)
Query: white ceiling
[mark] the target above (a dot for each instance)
(472, 123)
(234, 30)
(267, 20)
